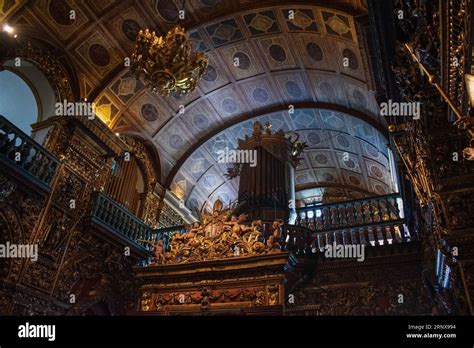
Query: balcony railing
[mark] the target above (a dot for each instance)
(351, 214)
(121, 221)
(372, 222)
(21, 154)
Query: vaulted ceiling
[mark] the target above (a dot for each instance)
(315, 61)
(346, 158)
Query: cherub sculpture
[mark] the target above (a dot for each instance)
(274, 238)
(234, 226)
(158, 251)
(194, 231)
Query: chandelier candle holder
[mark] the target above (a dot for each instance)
(168, 64)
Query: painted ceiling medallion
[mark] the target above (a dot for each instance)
(168, 64)
(336, 24)
(302, 20)
(262, 23)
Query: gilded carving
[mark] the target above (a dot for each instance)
(218, 237)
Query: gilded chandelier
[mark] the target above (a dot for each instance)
(168, 64)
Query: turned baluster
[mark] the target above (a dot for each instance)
(3, 139)
(106, 217)
(393, 234)
(319, 240)
(305, 219)
(101, 210)
(293, 245)
(319, 224)
(10, 147)
(362, 212)
(379, 211)
(34, 163)
(141, 231)
(397, 210)
(288, 239)
(298, 219)
(402, 233)
(46, 173)
(355, 236)
(366, 236)
(345, 210)
(325, 239)
(334, 217)
(117, 219)
(300, 242)
(134, 231)
(339, 237)
(356, 214)
(127, 226)
(386, 213)
(25, 155)
(337, 216)
(371, 211)
(349, 237)
(381, 238)
(388, 233)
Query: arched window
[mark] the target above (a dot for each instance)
(18, 102)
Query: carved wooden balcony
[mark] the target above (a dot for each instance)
(373, 222)
(117, 224)
(24, 159)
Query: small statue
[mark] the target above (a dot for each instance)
(189, 236)
(235, 226)
(272, 243)
(274, 238)
(158, 253)
(468, 153)
(257, 129)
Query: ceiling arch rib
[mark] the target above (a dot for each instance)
(281, 62)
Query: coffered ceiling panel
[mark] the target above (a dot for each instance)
(260, 59)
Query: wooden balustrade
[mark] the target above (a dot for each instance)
(350, 214)
(372, 222)
(20, 153)
(304, 242)
(119, 219)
